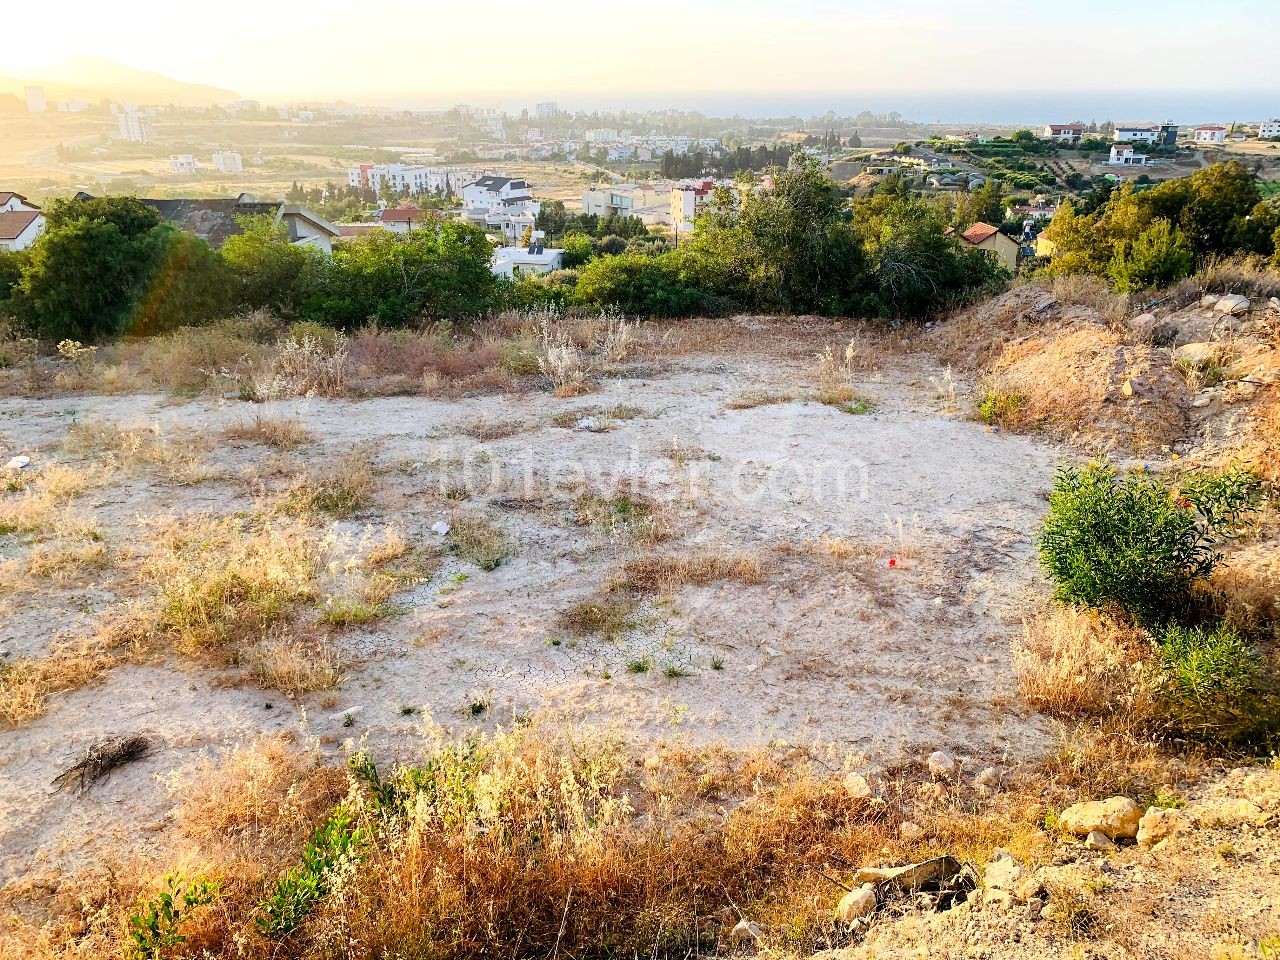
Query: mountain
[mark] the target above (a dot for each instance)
(93, 78)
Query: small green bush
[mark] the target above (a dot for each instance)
(1215, 686)
(997, 407)
(157, 924)
(301, 889)
(1133, 541)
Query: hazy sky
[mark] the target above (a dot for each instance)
(442, 52)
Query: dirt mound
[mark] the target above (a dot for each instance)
(1085, 384)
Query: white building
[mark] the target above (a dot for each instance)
(134, 126)
(35, 100)
(412, 178)
(533, 135)
(546, 110)
(1268, 129)
(21, 222)
(1064, 133)
(1122, 155)
(508, 261)
(1210, 134)
(601, 135)
(72, 106)
(183, 163)
(1137, 133)
(494, 194)
(228, 161)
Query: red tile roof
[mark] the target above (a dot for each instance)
(980, 232)
(13, 223)
(405, 215)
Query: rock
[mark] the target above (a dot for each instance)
(1143, 325)
(19, 462)
(857, 904)
(855, 784)
(746, 931)
(1002, 873)
(1202, 401)
(1274, 304)
(1197, 354)
(1034, 907)
(591, 424)
(1232, 303)
(910, 830)
(1117, 817)
(1157, 824)
(987, 781)
(942, 764)
(1097, 840)
(1209, 300)
(440, 527)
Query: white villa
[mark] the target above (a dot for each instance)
(1122, 155)
(500, 203)
(1268, 129)
(1210, 134)
(412, 178)
(21, 222)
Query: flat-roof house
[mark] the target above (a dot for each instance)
(1067, 133)
(509, 261)
(984, 236)
(1136, 133)
(1209, 133)
(1268, 129)
(215, 220)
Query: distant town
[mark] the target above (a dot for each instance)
(337, 171)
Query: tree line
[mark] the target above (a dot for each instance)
(111, 267)
(1138, 238)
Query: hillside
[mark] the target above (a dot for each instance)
(94, 78)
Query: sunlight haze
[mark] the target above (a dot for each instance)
(433, 54)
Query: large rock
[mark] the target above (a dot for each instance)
(855, 784)
(857, 904)
(1117, 817)
(1157, 824)
(1209, 300)
(1013, 882)
(942, 764)
(1274, 304)
(1143, 325)
(1232, 303)
(1198, 354)
(746, 931)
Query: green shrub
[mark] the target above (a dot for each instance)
(301, 889)
(999, 406)
(1215, 686)
(1132, 541)
(157, 924)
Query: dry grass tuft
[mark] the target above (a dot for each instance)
(624, 515)
(221, 582)
(477, 539)
(343, 487)
(64, 562)
(750, 399)
(664, 573)
(295, 666)
(1078, 663)
(485, 428)
(607, 618)
(43, 509)
(278, 434)
(26, 685)
(176, 459)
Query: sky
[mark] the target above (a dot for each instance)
(592, 53)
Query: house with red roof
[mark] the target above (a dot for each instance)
(1209, 133)
(1065, 133)
(21, 222)
(983, 236)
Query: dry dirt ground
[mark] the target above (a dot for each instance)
(895, 645)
